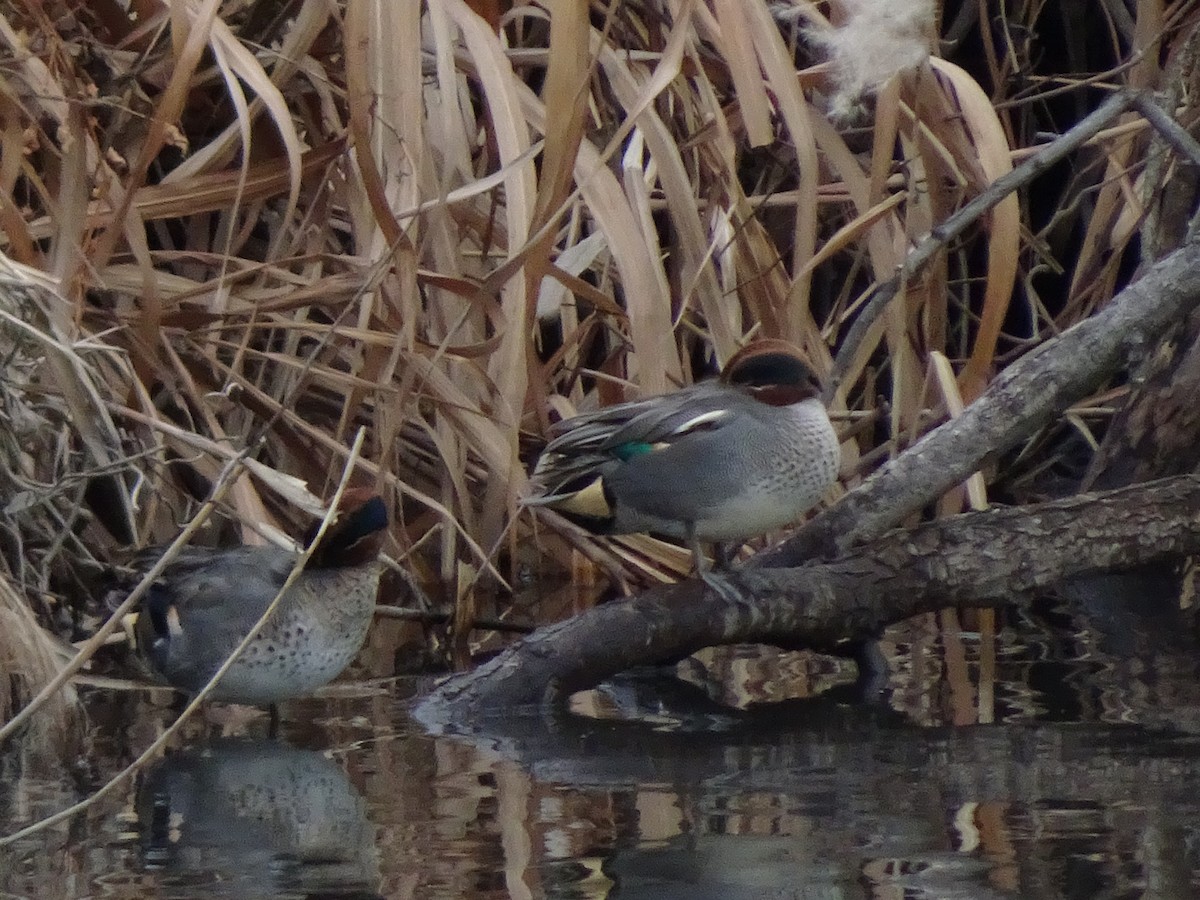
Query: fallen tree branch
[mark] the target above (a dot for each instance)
(979, 558)
(1023, 398)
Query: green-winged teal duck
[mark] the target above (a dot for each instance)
(723, 460)
(208, 599)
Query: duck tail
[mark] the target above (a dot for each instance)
(156, 626)
(588, 504)
(355, 539)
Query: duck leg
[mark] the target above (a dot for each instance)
(714, 580)
(723, 554)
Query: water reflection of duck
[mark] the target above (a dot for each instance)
(208, 599)
(256, 819)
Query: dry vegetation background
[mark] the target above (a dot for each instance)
(239, 232)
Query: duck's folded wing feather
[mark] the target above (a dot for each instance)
(597, 445)
(655, 420)
(239, 583)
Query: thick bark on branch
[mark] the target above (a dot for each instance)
(981, 558)
(977, 558)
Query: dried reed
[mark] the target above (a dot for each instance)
(446, 223)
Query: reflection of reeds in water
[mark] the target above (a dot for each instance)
(745, 675)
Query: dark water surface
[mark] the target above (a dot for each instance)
(1031, 765)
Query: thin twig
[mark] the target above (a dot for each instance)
(956, 224)
(1172, 132)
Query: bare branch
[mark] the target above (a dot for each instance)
(980, 558)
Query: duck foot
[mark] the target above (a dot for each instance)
(715, 577)
(724, 587)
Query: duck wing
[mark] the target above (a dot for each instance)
(654, 420)
(596, 443)
(235, 585)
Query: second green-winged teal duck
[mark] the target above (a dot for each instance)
(208, 599)
(723, 460)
